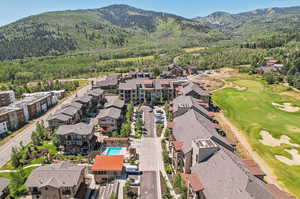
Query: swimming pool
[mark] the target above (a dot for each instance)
(113, 151)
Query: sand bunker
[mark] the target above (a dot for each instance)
(267, 139)
(286, 107)
(295, 161)
(240, 88)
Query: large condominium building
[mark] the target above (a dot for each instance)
(7, 98)
(146, 90)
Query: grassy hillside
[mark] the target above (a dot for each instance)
(257, 24)
(56, 33)
(251, 111)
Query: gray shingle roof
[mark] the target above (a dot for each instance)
(96, 92)
(63, 174)
(196, 88)
(190, 102)
(73, 104)
(110, 112)
(59, 116)
(70, 111)
(224, 178)
(83, 99)
(79, 129)
(4, 183)
(114, 101)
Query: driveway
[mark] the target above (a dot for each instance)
(149, 185)
(25, 135)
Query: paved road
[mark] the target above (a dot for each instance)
(149, 185)
(149, 121)
(25, 135)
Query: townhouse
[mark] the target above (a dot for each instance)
(107, 168)
(86, 102)
(146, 90)
(97, 96)
(137, 75)
(110, 119)
(195, 91)
(60, 181)
(7, 98)
(76, 138)
(110, 84)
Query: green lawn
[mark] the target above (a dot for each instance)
(252, 111)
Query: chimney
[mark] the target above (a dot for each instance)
(203, 149)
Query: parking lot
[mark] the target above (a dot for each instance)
(149, 185)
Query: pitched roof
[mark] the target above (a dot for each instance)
(278, 193)
(59, 116)
(253, 168)
(193, 181)
(96, 92)
(70, 111)
(224, 177)
(196, 88)
(112, 112)
(108, 163)
(177, 145)
(83, 99)
(188, 102)
(114, 101)
(73, 104)
(192, 125)
(63, 174)
(79, 129)
(3, 184)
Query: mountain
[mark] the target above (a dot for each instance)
(56, 33)
(256, 24)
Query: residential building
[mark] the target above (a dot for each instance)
(86, 102)
(191, 70)
(4, 192)
(97, 96)
(56, 181)
(107, 168)
(173, 71)
(114, 102)
(222, 174)
(146, 90)
(76, 138)
(110, 119)
(58, 119)
(137, 75)
(195, 91)
(182, 104)
(189, 126)
(7, 98)
(110, 84)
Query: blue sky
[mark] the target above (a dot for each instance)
(12, 10)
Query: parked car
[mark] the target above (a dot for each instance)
(132, 170)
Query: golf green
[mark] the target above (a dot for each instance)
(251, 110)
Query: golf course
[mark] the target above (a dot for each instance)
(270, 120)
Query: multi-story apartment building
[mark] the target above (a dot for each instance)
(60, 181)
(7, 98)
(146, 90)
(76, 138)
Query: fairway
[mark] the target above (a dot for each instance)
(252, 111)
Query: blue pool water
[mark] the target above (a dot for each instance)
(113, 151)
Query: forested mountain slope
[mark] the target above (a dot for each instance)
(256, 24)
(55, 33)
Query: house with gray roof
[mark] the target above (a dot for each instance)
(110, 119)
(224, 176)
(109, 84)
(197, 92)
(182, 104)
(112, 101)
(187, 127)
(61, 181)
(86, 102)
(76, 138)
(4, 192)
(97, 96)
(58, 119)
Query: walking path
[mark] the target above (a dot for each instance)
(270, 178)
